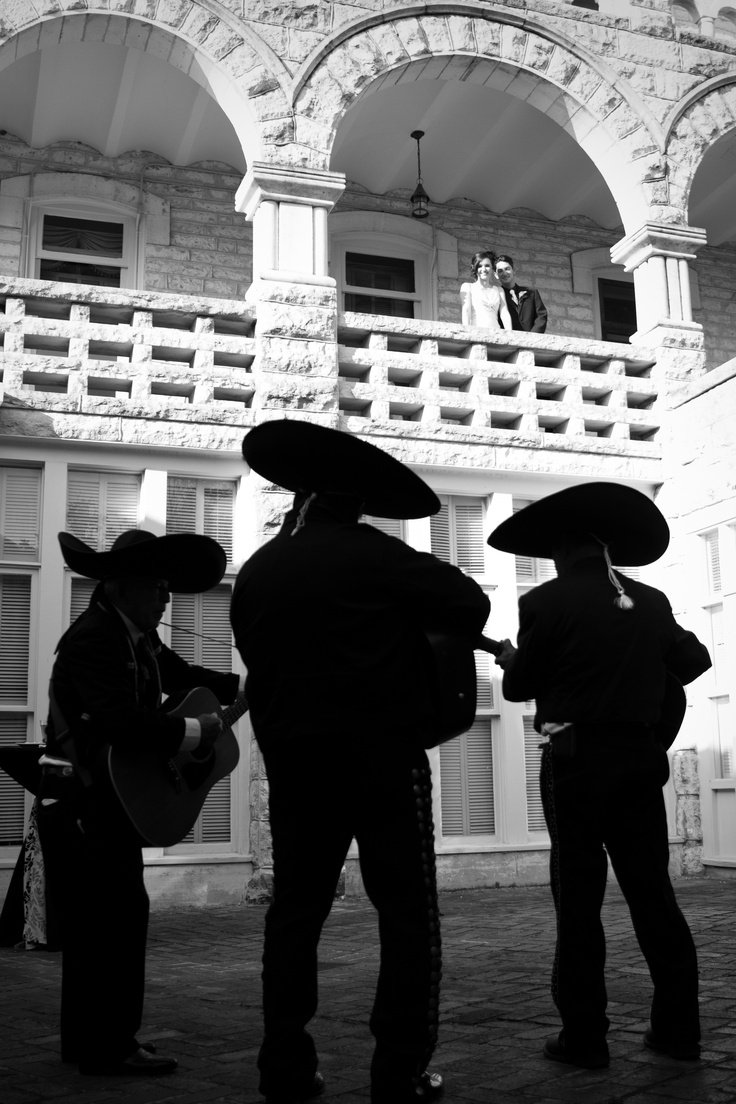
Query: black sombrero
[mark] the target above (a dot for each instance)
(190, 563)
(301, 456)
(624, 519)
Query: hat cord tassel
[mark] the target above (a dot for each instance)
(301, 520)
(622, 600)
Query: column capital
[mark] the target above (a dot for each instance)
(284, 184)
(654, 239)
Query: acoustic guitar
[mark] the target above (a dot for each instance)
(453, 681)
(164, 797)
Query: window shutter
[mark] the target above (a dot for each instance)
(483, 680)
(81, 596)
(524, 569)
(20, 513)
(481, 809)
(13, 730)
(15, 625)
(439, 528)
(219, 502)
(394, 527)
(713, 551)
(545, 570)
(201, 634)
(466, 772)
(469, 542)
(101, 506)
(532, 758)
(181, 505)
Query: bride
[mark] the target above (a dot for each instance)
(483, 303)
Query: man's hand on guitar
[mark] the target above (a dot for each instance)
(211, 726)
(506, 654)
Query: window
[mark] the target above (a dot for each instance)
(20, 514)
(457, 533)
(379, 285)
(618, 310)
(79, 243)
(101, 506)
(201, 622)
(713, 561)
(531, 570)
(201, 506)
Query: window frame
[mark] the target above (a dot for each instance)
(90, 209)
(381, 244)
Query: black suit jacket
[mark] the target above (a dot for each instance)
(96, 673)
(531, 314)
(329, 624)
(583, 659)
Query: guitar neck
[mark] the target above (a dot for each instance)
(488, 644)
(233, 712)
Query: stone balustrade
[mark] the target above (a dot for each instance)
(77, 350)
(137, 365)
(540, 389)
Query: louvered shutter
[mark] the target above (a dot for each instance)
(181, 505)
(713, 551)
(201, 634)
(394, 527)
(469, 542)
(15, 621)
(545, 570)
(467, 783)
(20, 513)
(101, 506)
(440, 537)
(532, 758)
(81, 596)
(525, 569)
(219, 501)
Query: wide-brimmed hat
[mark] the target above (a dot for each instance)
(301, 456)
(190, 563)
(624, 519)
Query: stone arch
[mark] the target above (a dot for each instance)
(243, 75)
(698, 121)
(580, 92)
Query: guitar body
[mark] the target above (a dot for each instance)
(453, 678)
(164, 797)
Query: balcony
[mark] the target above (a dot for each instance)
(81, 362)
(522, 389)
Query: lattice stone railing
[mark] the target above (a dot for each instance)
(105, 351)
(501, 384)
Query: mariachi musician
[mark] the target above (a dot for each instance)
(598, 651)
(106, 685)
(328, 617)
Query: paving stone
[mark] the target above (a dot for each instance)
(203, 1005)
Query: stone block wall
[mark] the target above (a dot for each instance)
(206, 249)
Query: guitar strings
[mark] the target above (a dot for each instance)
(204, 636)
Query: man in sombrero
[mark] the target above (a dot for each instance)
(329, 617)
(602, 655)
(110, 671)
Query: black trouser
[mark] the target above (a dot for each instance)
(94, 871)
(323, 795)
(607, 798)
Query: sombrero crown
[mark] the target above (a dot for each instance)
(301, 456)
(624, 519)
(190, 563)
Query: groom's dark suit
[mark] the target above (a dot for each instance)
(530, 312)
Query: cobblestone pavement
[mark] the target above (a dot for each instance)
(203, 1006)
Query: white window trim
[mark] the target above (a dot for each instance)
(78, 207)
(392, 236)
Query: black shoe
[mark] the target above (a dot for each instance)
(594, 1058)
(314, 1088)
(683, 1052)
(141, 1063)
(428, 1087)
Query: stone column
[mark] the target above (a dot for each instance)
(658, 256)
(295, 299)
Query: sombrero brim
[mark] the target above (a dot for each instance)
(189, 562)
(626, 520)
(301, 456)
